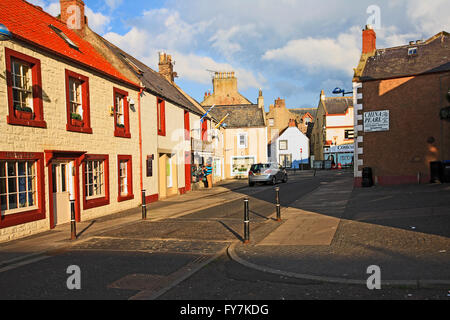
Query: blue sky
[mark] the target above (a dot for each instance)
(292, 49)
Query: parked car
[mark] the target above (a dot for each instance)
(267, 173)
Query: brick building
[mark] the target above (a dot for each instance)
(399, 93)
(69, 123)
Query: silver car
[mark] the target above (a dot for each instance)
(267, 173)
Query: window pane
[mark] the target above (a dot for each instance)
(30, 183)
(11, 169)
(22, 200)
(3, 203)
(12, 186)
(91, 190)
(63, 178)
(31, 198)
(22, 171)
(13, 201)
(22, 184)
(2, 169)
(30, 168)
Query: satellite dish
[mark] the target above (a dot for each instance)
(4, 32)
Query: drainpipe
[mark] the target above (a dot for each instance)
(140, 141)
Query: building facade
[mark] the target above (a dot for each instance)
(69, 124)
(245, 137)
(291, 148)
(395, 90)
(333, 127)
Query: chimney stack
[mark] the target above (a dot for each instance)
(280, 103)
(72, 14)
(369, 40)
(260, 99)
(166, 67)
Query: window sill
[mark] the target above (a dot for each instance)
(122, 133)
(26, 123)
(125, 198)
(95, 203)
(17, 218)
(72, 128)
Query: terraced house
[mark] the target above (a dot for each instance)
(69, 122)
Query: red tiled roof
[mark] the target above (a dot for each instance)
(29, 23)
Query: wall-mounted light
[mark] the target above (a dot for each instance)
(111, 111)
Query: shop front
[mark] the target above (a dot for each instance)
(340, 156)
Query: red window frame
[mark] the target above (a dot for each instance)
(38, 109)
(187, 126)
(101, 201)
(205, 130)
(122, 132)
(161, 116)
(35, 214)
(85, 127)
(126, 158)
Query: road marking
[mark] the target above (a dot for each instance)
(23, 263)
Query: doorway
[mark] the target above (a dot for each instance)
(62, 190)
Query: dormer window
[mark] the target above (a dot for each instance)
(412, 51)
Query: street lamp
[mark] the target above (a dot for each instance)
(5, 34)
(339, 91)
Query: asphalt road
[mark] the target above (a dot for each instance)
(182, 258)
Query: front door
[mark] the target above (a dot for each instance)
(62, 186)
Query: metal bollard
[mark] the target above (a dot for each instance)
(144, 206)
(73, 225)
(277, 202)
(246, 222)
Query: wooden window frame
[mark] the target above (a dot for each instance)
(100, 201)
(34, 214)
(118, 131)
(85, 127)
(128, 159)
(161, 116)
(36, 80)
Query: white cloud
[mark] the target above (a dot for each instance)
(97, 21)
(113, 4)
(430, 17)
(318, 54)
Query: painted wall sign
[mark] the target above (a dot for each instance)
(376, 121)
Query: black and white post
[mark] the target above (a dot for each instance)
(144, 206)
(246, 222)
(73, 225)
(277, 202)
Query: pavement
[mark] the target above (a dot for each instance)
(332, 234)
(335, 233)
(36, 247)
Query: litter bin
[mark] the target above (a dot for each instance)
(367, 177)
(436, 170)
(446, 171)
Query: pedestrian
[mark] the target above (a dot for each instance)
(203, 175)
(209, 170)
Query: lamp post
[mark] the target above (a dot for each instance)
(5, 34)
(339, 91)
